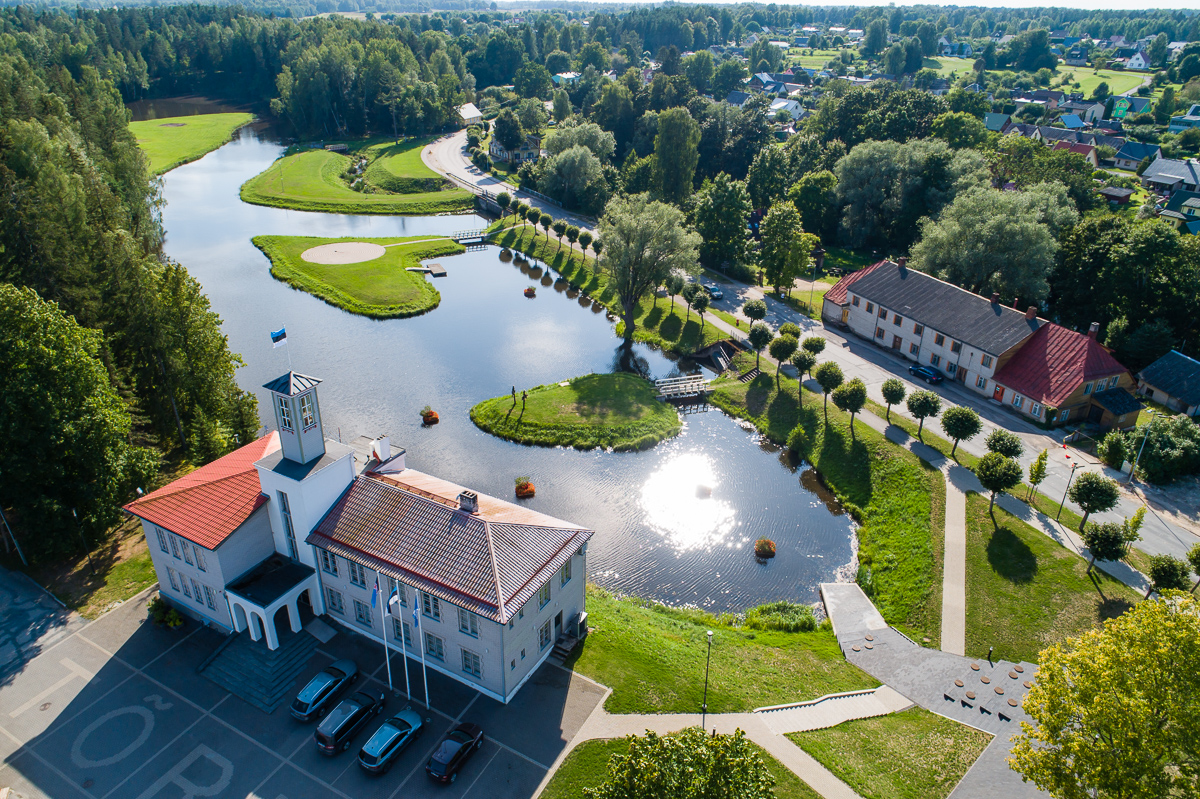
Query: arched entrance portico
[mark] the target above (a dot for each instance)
(267, 598)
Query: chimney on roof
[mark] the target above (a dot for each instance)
(1016, 303)
(902, 262)
(1031, 312)
(1093, 331)
(468, 501)
(995, 298)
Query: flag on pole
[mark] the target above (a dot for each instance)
(279, 338)
(416, 619)
(393, 603)
(374, 593)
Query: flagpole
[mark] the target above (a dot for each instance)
(404, 652)
(421, 649)
(387, 655)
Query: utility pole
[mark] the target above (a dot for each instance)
(707, 661)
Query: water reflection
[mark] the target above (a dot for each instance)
(682, 501)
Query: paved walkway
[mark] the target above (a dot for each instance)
(30, 621)
(832, 710)
(954, 564)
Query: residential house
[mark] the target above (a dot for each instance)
(1139, 60)
(1173, 380)
(469, 114)
(1167, 175)
(1088, 112)
(1126, 106)
(294, 524)
(738, 99)
(1050, 97)
(1189, 120)
(1131, 155)
(1174, 50)
(1182, 211)
(563, 79)
(1050, 135)
(791, 107)
(529, 150)
(1086, 150)
(1076, 57)
(1113, 194)
(854, 34)
(1072, 122)
(996, 122)
(954, 49)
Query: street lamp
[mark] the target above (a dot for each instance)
(1074, 466)
(818, 259)
(1145, 435)
(707, 660)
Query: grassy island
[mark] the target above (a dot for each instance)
(620, 411)
(394, 181)
(175, 141)
(382, 288)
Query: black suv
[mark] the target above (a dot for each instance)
(454, 751)
(323, 690)
(345, 720)
(926, 373)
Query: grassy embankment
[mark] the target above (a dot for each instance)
(668, 327)
(653, 658)
(914, 754)
(620, 411)
(897, 498)
(314, 180)
(587, 767)
(1025, 591)
(175, 141)
(381, 289)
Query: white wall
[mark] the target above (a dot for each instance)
(309, 500)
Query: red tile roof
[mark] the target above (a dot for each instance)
(837, 294)
(1055, 361)
(207, 505)
(1082, 149)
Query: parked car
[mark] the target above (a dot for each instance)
(926, 373)
(454, 751)
(385, 745)
(714, 291)
(344, 721)
(315, 699)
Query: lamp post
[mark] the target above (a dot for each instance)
(1145, 435)
(707, 661)
(818, 256)
(1074, 466)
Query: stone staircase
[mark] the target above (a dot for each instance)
(262, 677)
(563, 648)
(750, 375)
(832, 710)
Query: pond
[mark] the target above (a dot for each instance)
(676, 523)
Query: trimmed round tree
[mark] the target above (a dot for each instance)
(1104, 541)
(547, 222)
(923, 405)
(755, 311)
(1005, 443)
(560, 229)
(893, 394)
(1167, 573)
(1093, 493)
(690, 292)
(534, 216)
(997, 473)
(814, 344)
(700, 303)
(851, 397)
(804, 361)
(504, 200)
(961, 424)
(759, 337)
(781, 349)
(585, 241)
(829, 375)
(791, 329)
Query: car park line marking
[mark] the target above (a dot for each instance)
(81, 761)
(57, 771)
(191, 789)
(76, 672)
(481, 773)
(150, 759)
(254, 793)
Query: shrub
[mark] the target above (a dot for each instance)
(1112, 449)
(790, 329)
(785, 616)
(764, 548)
(796, 442)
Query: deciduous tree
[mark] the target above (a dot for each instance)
(781, 349)
(804, 361)
(1093, 493)
(722, 210)
(759, 336)
(786, 248)
(675, 155)
(851, 397)
(997, 473)
(960, 423)
(1005, 442)
(923, 404)
(1037, 471)
(893, 394)
(829, 376)
(1167, 573)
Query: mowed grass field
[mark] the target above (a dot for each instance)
(175, 141)
(311, 180)
(620, 411)
(1088, 80)
(382, 288)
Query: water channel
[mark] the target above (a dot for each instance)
(657, 535)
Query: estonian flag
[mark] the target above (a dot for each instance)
(279, 337)
(375, 593)
(393, 605)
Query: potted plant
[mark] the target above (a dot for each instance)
(764, 548)
(429, 416)
(525, 488)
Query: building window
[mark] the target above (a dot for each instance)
(308, 419)
(289, 532)
(328, 561)
(210, 598)
(521, 612)
(981, 382)
(471, 663)
(1018, 401)
(951, 367)
(986, 361)
(1064, 415)
(935, 360)
(1087, 388)
(183, 582)
(200, 563)
(522, 654)
(1112, 381)
(1035, 409)
(197, 595)
(435, 647)
(543, 595)
(564, 574)
(956, 346)
(879, 332)
(285, 414)
(171, 577)
(898, 320)
(174, 547)
(358, 575)
(939, 339)
(402, 632)
(914, 348)
(162, 539)
(334, 600)
(544, 636)
(854, 301)
(919, 329)
(187, 553)
(431, 606)
(468, 623)
(870, 307)
(362, 613)
(882, 312)
(512, 664)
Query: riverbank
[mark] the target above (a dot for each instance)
(175, 141)
(381, 288)
(617, 411)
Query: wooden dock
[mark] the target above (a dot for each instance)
(682, 387)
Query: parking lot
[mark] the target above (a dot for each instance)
(117, 709)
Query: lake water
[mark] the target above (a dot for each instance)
(657, 534)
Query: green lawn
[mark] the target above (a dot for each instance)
(946, 66)
(1024, 591)
(587, 767)
(888, 489)
(174, 141)
(800, 299)
(315, 180)
(914, 754)
(382, 288)
(620, 411)
(1088, 79)
(653, 658)
(848, 260)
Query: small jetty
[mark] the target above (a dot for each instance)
(435, 270)
(682, 387)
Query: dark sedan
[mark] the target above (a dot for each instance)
(926, 373)
(393, 737)
(323, 690)
(453, 752)
(714, 291)
(344, 721)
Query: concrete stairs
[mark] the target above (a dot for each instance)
(563, 648)
(831, 710)
(262, 677)
(750, 375)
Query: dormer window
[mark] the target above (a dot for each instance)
(285, 414)
(308, 417)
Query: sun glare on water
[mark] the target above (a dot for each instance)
(680, 503)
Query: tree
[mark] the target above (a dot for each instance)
(687, 763)
(521, 210)
(577, 133)
(1030, 51)
(1028, 163)
(572, 236)
(560, 230)
(781, 349)
(1114, 710)
(1104, 541)
(923, 404)
(675, 155)
(850, 398)
(643, 242)
(562, 105)
(1167, 573)
(759, 336)
(959, 129)
(829, 376)
(814, 195)
(767, 180)
(504, 200)
(699, 69)
(722, 210)
(1004, 442)
(1193, 558)
(674, 284)
(507, 130)
(690, 292)
(532, 80)
(804, 361)
(960, 423)
(728, 76)
(875, 38)
(1037, 471)
(814, 344)
(585, 241)
(893, 394)
(997, 473)
(786, 249)
(1093, 493)
(546, 221)
(700, 303)
(755, 310)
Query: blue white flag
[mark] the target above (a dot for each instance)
(374, 593)
(393, 604)
(416, 619)
(279, 338)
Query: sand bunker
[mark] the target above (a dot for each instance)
(344, 252)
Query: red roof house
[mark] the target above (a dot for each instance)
(837, 298)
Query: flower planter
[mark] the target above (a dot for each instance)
(530, 292)
(430, 418)
(525, 491)
(764, 548)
